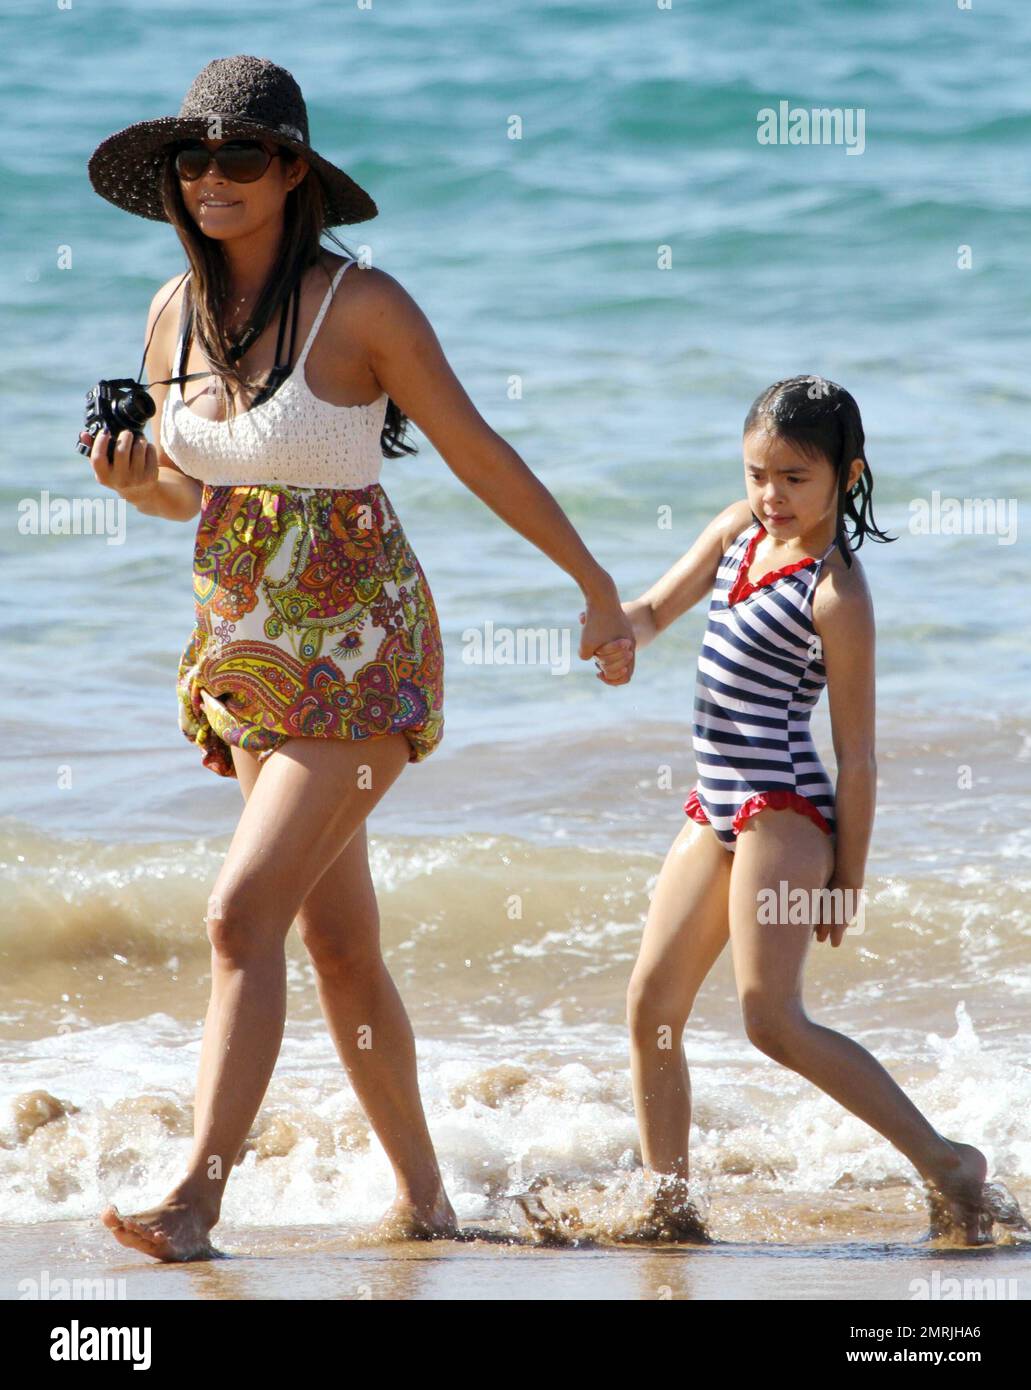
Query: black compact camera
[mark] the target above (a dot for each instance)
(121, 404)
(125, 403)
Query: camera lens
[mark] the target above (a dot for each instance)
(133, 410)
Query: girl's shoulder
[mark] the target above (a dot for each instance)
(734, 521)
(851, 574)
(842, 592)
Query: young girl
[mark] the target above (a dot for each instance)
(790, 612)
(315, 671)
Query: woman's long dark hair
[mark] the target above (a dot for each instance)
(821, 418)
(304, 223)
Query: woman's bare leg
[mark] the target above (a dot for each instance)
(780, 846)
(339, 925)
(685, 932)
(310, 799)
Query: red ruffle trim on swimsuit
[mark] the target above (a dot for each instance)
(781, 800)
(743, 587)
(778, 800)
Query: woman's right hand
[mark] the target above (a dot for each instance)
(134, 470)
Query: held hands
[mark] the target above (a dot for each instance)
(609, 637)
(135, 465)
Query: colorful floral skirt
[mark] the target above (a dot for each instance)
(313, 620)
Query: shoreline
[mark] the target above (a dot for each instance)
(306, 1262)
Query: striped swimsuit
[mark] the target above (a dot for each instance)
(759, 675)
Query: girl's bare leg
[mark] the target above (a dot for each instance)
(685, 932)
(782, 846)
(311, 798)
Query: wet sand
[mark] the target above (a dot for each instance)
(315, 1262)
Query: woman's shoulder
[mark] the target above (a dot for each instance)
(327, 263)
(364, 288)
(166, 299)
(162, 329)
(371, 307)
(173, 283)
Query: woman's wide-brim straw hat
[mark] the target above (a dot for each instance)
(231, 96)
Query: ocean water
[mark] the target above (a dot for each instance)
(538, 258)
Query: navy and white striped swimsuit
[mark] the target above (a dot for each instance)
(760, 673)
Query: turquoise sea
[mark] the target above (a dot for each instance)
(646, 266)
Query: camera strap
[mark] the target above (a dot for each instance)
(276, 374)
(281, 370)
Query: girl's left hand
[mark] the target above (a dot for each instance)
(608, 636)
(848, 912)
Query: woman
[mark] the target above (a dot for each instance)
(314, 673)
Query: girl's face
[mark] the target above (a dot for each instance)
(792, 493)
(223, 209)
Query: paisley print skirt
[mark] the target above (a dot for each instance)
(313, 620)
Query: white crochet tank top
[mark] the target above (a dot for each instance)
(293, 438)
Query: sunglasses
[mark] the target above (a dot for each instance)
(242, 161)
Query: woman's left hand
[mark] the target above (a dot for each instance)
(608, 636)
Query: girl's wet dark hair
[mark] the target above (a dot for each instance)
(821, 418)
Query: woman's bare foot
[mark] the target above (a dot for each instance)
(406, 1219)
(173, 1230)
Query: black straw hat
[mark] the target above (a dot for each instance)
(231, 96)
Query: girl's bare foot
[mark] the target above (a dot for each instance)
(962, 1204)
(173, 1230)
(406, 1219)
(673, 1215)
